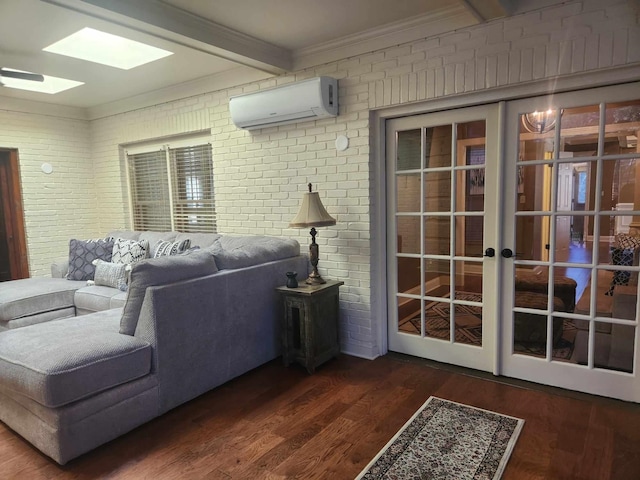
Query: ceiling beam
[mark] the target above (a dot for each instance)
(486, 10)
(170, 23)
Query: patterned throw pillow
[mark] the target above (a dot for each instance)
(81, 255)
(625, 241)
(622, 254)
(111, 274)
(129, 251)
(163, 248)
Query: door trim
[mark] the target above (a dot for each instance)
(14, 215)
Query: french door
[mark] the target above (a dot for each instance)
(442, 206)
(572, 224)
(513, 236)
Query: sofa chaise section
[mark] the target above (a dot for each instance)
(35, 300)
(62, 383)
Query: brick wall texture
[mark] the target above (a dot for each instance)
(260, 176)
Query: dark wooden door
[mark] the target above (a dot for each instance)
(5, 264)
(13, 248)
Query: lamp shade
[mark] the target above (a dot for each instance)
(312, 213)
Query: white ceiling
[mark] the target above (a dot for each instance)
(215, 41)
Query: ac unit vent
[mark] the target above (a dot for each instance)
(296, 102)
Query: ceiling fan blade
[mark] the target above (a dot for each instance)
(21, 75)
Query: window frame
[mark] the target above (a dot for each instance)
(176, 171)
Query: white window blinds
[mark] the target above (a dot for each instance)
(172, 188)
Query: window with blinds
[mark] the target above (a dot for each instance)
(172, 188)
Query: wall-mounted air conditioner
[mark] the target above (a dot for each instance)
(296, 102)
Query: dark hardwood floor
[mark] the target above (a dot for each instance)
(280, 423)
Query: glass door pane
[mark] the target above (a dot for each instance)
(439, 213)
(575, 240)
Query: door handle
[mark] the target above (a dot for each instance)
(507, 253)
(490, 252)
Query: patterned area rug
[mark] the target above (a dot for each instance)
(447, 441)
(469, 327)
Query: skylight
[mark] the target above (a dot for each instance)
(51, 85)
(107, 49)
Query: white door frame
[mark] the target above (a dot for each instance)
(481, 358)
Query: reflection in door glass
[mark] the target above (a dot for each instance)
(407, 185)
(409, 319)
(470, 131)
(437, 320)
(579, 132)
(529, 333)
(532, 237)
(408, 234)
(408, 150)
(438, 147)
(409, 275)
(617, 341)
(468, 322)
(468, 289)
(437, 278)
(437, 191)
(471, 190)
(468, 280)
(469, 236)
(437, 235)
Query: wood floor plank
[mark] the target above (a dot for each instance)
(280, 423)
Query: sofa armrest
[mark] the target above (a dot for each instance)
(60, 268)
(208, 330)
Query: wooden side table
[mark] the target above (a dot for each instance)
(311, 323)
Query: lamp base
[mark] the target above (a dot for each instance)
(315, 279)
(314, 276)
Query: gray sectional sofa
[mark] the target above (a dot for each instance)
(187, 324)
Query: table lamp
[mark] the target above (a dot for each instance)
(312, 214)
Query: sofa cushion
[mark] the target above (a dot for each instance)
(118, 301)
(129, 251)
(94, 298)
(240, 252)
(38, 318)
(32, 296)
(202, 240)
(81, 255)
(161, 271)
(62, 361)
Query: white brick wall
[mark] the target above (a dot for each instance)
(56, 206)
(260, 176)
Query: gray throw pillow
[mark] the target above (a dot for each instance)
(129, 251)
(111, 274)
(163, 248)
(81, 255)
(161, 271)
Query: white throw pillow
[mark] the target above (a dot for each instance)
(163, 248)
(129, 251)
